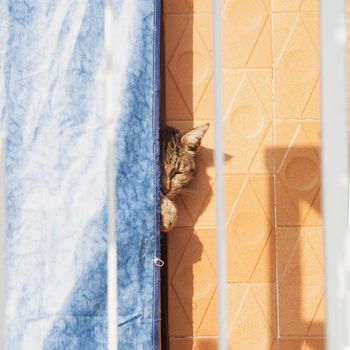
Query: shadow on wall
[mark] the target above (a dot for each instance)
(185, 250)
(182, 248)
(277, 244)
(299, 247)
(177, 70)
(294, 260)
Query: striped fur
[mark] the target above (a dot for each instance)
(178, 167)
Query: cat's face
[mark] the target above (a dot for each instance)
(178, 157)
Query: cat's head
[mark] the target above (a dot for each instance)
(178, 157)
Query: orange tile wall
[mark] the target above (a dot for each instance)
(272, 138)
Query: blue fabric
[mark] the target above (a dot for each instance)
(51, 105)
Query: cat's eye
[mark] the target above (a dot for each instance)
(176, 173)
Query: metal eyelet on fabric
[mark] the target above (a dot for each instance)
(158, 262)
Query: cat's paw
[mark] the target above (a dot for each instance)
(168, 214)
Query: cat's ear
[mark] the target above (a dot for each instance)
(192, 139)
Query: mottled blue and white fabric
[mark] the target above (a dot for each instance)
(51, 108)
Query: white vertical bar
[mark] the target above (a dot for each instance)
(335, 171)
(2, 243)
(112, 280)
(219, 176)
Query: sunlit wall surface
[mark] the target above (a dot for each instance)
(272, 176)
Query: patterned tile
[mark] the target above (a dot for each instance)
(297, 173)
(296, 66)
(202, 6)
(272, 138)
(176, 28)
(177, 243)
(248, 121)
(175, 6)
(194, 281)
(208, 326)
(180, 325)
(252, 324)
(181, 344)
(295, 5)
(190, 68)
(206, 217)
(203, 26)
(300, 281)
(193, 344)
(301, 344)
(251, 241)
(246, 34)
(205, 344)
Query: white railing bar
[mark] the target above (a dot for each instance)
(219, 180)
(112, 271)
(335, 171)
(2, 243)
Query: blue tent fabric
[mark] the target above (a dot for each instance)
(51, 105)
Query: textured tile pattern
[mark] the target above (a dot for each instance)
(272, 140)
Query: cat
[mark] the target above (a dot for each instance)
(178, 152)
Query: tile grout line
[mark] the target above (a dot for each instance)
(277, 313)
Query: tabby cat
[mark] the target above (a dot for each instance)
(178, 152)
